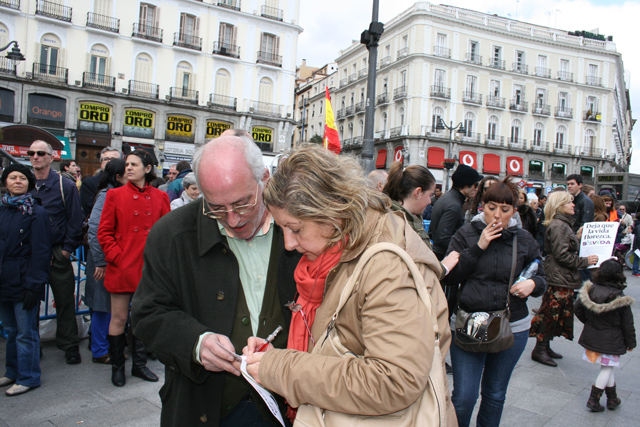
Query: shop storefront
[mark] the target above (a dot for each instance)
(93, 134)
(180, 129)
(215, 129)
(263, 136)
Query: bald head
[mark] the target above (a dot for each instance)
(378, 179)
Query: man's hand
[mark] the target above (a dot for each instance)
(66, 254)
(99, 273)
(214, 357)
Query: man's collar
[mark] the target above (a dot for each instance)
(268, 222)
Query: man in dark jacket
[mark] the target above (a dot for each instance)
(89, 186)
(216, 272)
(174, 190)
(584, 209)
(60, 199)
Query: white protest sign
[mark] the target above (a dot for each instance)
(264, 393)
(598, 239)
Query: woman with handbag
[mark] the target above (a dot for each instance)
(361, 342)
(493, 253)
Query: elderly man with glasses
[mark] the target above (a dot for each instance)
(61, 200)
(216, 272)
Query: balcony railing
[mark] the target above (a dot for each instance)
(565, 76)
(383, 98)
(496, 63)
(187, 40)
(473, 58)
(357, 141)
(439, 91)
(400, 92)
(442, 51)
(50, 73)
(517, 143)
(519, 105)
(558, 176)
(230, 4)
(359, 106)
(587, 179)
(144, 31)
(7, 66)
(562, 149)
(537, 175)
(494, 140)
(589, 151)
(103, 22)
(384, 62)
(271, 13)
(226, 49)
(403, 52)
(182, 94)
(343, 82)
(519, 67)
(471, 138)
(269, 58)
(341, 113)
(350, 110)
(591, 116)
(395, 132)
(266, 109)
(495, 101)
(594, 81)
(13, 4)
(564, 112)
(53, 10)
(223, 102)
(543, 72)
(541, 109)
(362, 73)
(143, 89)
(539, 146)
(353, 77)
(434, 132)
(472, 97)
(98, 81)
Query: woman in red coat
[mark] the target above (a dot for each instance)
(127, 217)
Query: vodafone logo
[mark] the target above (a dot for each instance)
(514, 165)
(398, 156)
(467, 159)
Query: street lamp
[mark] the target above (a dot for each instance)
(15, 54)
(448, 163)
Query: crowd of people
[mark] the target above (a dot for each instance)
(195, 268)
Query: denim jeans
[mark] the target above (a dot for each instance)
(23, 343)
(636, 264)
(494, 371)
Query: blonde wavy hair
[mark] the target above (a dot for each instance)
(555, 201)
(311, 183)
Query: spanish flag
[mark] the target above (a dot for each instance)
(331, 139)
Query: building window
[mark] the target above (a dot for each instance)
(492, 130)
(589, 141)
(265, 90)
(148, 19)
(99, 63)
(560, 138)
(516, 125)
(269, 44)
(472, 83)
(189, 25)
(227, 35)
(518, 94)
(223, 82)
(469, 118)
(538, 131)
(184, 78)
(144, 68)
(50, 57)
(440, 79)
(495, 88)
(474, 52)
(497, 57)
(520, 61)
(438, 113)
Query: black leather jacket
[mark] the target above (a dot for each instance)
(446, 218)
(584, 210)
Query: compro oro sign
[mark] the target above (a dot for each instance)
(215, 129)
(94, 117)
(262, 135)
(138, 123)
(180, 129)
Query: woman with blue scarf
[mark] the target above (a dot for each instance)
(25, 260)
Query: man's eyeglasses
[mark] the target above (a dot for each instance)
(622, 209)
(39, 153)
(238, 210)
(108, 159)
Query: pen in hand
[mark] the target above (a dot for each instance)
(235, 356)
(270, 338)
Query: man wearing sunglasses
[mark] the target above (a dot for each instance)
(61, 200)
(215, 273)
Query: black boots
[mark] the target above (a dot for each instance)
(540, 354)
(139, 368)
(594, 399)
(116, 345)
(552, 354)
(612, 397)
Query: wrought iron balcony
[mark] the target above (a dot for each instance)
(269, 58)
(98, 81)
(495, 102)
(594, 81)
(537, 175)
(50, 73)
(543, 72)
(357, 142)
(266, 109)
(384, 62)
(272, 13)
(13, 4)
(230, 4)
(383, 98)
(144, 31)
(403, 52)
(439, 91)
(517, 143)
(353, 77)
(223, 102)
(400, 92)
(472, 97)
(589, 151)
(341, 113)
(143, 89)
(395, 132)
(494, 140)
(343, 82)
(181, 94)
(558, 176)
(226, 49)
(471, 138)
(591, 116)
(187, 40)
(473, 58)
(442, 51)
(7, 66)
(103, 22)
(53, 10)
(519, 105)
(350, 110)
(434, 132)
(564, 113)
(565, 76)
(541, 109)
(539, 146)
(519, 67)
(562, 148)
(362, 73)
(359, 107)
(496, 63)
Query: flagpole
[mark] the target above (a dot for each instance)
(370, 39)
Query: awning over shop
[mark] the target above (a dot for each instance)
(25, 135)
(381, 160)
(491, 164)
(435, 157)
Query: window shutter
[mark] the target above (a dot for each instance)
(196, 27)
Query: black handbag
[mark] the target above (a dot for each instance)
(486, 332)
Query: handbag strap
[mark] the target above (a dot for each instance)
(514, 261)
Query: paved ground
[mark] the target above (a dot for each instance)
(538, 395)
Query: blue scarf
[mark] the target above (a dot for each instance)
(23, 203)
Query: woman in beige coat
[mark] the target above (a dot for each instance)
(326, 211)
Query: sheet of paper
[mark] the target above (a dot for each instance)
(598, 239)
(264, 393)
(637, 252)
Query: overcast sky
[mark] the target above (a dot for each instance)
(331, 25)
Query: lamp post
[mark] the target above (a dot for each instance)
(450, 162)
(15, 54)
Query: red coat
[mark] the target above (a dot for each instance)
(127, 218)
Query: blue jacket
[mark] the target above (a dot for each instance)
(25, 252)
(175, 187)
(65, 218)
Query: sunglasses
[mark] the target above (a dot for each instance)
(39, 153)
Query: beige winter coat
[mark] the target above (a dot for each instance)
(384, 321)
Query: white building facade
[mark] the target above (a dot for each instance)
(163, 75)
(532, 102)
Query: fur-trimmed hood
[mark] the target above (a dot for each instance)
(618, 301)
